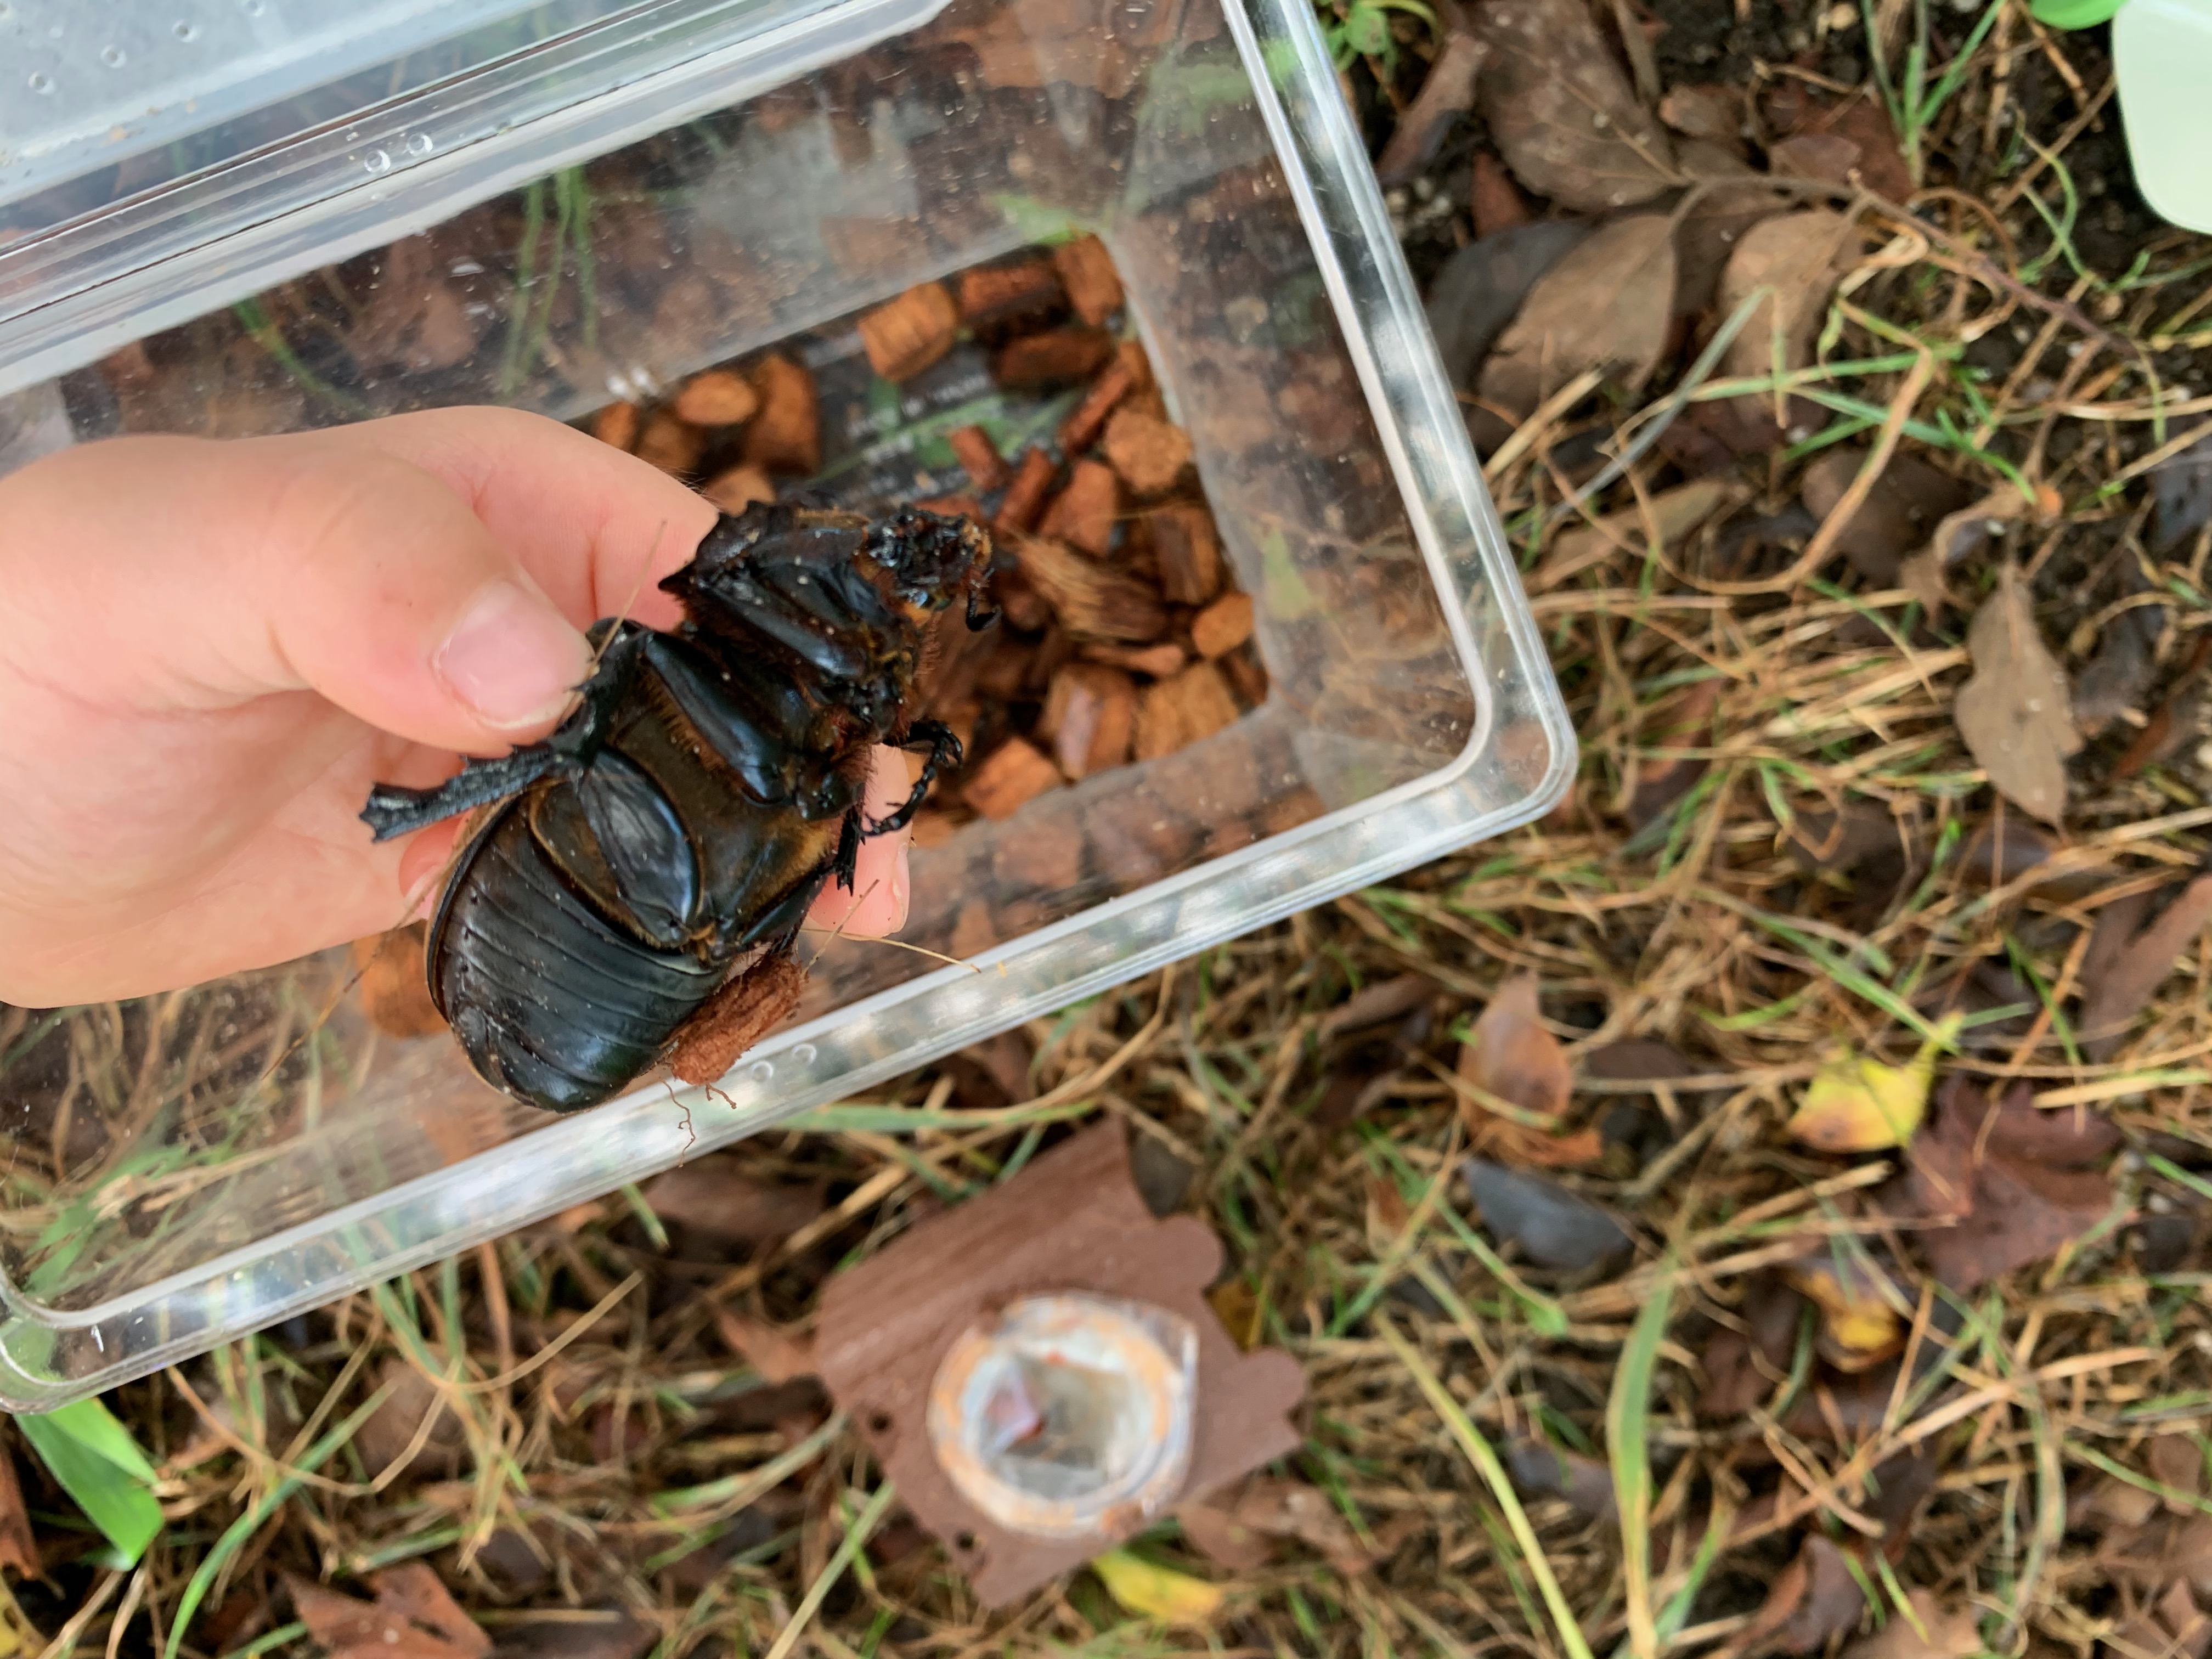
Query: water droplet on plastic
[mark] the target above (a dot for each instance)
(112, 56)
(421, 143)
(761, 1070)
(41, 82)
(803, 1054)
(186, 30)
(252, 7)
(376, 160)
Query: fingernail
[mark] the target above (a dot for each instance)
(514, 659)
(902, 885)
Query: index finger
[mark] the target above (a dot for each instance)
(596, 528)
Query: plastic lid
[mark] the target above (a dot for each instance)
(99, 102)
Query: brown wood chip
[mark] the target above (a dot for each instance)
(979, 457)
(1222, 626)
(1189, 553)
(1024, 497)
(1086, 271)
(1149, 453)
(907, 335)
(1057, 356)
(785, 436)
(720, 396)
(1082, 514)
(738, 487)
(1013, 774)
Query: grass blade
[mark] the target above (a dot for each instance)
(1479, 1454)
(1627, 1412)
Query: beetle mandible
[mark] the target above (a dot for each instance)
(681, 821)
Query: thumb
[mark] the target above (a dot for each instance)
(285, 565)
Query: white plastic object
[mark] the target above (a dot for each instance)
(1068, 1416)
(2162, 54)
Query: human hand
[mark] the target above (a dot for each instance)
(209, 650)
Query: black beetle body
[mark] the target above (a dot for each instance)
(688, 814)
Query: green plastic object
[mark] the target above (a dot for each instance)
(2074, 14)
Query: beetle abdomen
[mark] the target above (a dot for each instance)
(550, 1001)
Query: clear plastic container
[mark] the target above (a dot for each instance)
(714, 179)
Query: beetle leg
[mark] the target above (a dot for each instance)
(845, 862)
(944, 751)
(393, 811)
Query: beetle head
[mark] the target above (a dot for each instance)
(933, 560)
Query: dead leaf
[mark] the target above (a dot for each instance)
(2015, 713)
(1510, 1055)
(607, 1633)
(2175, 1461)
(2121, 673)
(1814, 1598)
(1940, 1632)
(19, 1545)
(1160, 1593)
(1552, 1226)
(1586, 1483)
(1478, 290)
(719, 1208)
(408, 1620)
(776, 1355)
(1859, 1326)
(1493, 200)
(1965, 531)
(1672, 516)
(1909, 499)
(1858, 1104)
(1447, 93)
(1729, 198)
(1801, 257)
(414, 321)
(2170, 1628)
(1377, 1003)
(1293, 1510)
(1221, 1539)
(390, 1431)
(1992, 1211)
(2111, 1501)
(1562, 111)
(2128, 960)
(1663, 780)
(1712, 113)
(1607, 305)
(1875, 163)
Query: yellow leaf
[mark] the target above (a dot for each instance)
(1855, 1104)
(1173, 1598)
(1859, 1325)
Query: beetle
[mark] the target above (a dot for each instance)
(631, 888)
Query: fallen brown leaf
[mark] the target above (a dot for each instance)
(1607, 305)
(1941, 1632)
(2129, 960)
(2172, 1627)
(1801, 257)
(1377, 1003)
(410, 1619)
(2015, 713)
(1660, 782)
(1710, 111)
(1217, 1536)
(1447, 93)
(19, 1545)
(1586, 1483)
(1562, 111)
(1908, 500)
(390, 1431)
(1670, 516)
(718, 1207)
(1858, 123)
(1991, 1210)
(1492, 198)
(2175, 1461)
(1510, 1054)
(1293, 1510)
(1814, 1598)
(775, 1354)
